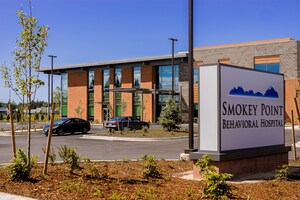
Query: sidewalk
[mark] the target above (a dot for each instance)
(5, 196)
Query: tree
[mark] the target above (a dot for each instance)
(79, 110)
(169, 116)
(57, 97)
(20, 77)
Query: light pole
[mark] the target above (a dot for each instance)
(173, 40)
(191, 78)
(52, 57)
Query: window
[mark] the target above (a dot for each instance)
(164, 77)
(118, 77)
(267, 63)
(91, 95)
(164, 82)
(118, 98)
(268, 67)
(64, 94)
(196, 75)
(136, 105)
(137, 77)
(105, 85)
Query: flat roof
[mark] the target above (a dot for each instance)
(115, 62)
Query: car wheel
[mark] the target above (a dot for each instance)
(60, 132)
(84, 130)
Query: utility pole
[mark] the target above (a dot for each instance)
(191, 76)
(52, 57)
(173, 40)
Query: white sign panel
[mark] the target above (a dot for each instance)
(251, 108)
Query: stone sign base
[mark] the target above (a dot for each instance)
(247, 166)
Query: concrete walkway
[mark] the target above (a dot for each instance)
(5, 196)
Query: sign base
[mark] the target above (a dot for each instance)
(247, 166)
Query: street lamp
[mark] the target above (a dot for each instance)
(52, 57)
(173, 40)
(191, 77)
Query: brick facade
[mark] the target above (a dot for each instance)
(98, 95)
(147, 81)
(286, 49)
(127, 82)
(241, 54)
(77, 94)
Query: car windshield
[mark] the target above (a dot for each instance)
(60, 121)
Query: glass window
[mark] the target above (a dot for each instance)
(269, 67)
(118, 98)
(91, 95)
(64, 94)
(136, 77)
(164, 77)
(136, 105)
(118, 77)
(196, 75)
(91, 81)
(164, 82)
(105, 85)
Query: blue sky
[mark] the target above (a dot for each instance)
(99, 30)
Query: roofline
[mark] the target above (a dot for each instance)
(245, 44)
(115, 62)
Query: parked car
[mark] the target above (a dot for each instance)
(68, 125)
(126, 123)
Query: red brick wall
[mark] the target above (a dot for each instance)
(98, 93)
(196, 91)
(127, 77)
(147, 80)
(77, 93)
(290, 93)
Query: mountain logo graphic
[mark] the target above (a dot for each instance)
(239, 91)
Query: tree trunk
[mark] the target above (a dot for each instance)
(28, 136)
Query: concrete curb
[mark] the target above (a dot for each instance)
(5, 196)
(19, 132)
(129, 139)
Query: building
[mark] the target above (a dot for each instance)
(140, 86)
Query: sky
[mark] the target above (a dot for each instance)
(100, 30)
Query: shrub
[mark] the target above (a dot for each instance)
(282, 172)
(51, 156)
(216, 182)
(69, 156)
(145, 129)
(19, 169)
(151, 170)
(86, 160)
(169, 116)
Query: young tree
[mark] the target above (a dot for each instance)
(21, 76)
(57, 97)
(169, 116)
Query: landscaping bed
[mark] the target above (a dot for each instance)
(151, 133)
(125, 180)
